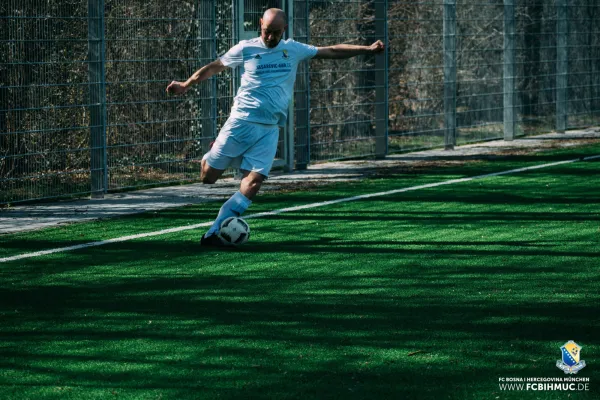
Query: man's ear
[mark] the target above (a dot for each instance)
(260, 23)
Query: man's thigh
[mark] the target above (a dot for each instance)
(234, 139)
(260, 156)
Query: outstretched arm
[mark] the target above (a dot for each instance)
(349, 50)
(201, 75)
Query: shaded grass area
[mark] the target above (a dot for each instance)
(429, 294)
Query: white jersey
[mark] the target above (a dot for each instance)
(268, 77)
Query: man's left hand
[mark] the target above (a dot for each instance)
(377, 47)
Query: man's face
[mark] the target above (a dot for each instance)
(271, 32)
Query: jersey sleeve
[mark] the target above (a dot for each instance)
(305, 51)
(234, 57)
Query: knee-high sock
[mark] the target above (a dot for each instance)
(234, 207)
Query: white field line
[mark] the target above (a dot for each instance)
(289, 209)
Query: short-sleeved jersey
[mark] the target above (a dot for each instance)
(268, 77)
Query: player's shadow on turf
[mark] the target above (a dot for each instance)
(407, 248)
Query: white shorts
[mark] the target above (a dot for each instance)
(245, 145)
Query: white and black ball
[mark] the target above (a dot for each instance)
(234, 231)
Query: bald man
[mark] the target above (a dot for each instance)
(248, 139)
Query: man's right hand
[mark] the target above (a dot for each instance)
(177, 88)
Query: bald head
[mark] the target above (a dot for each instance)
(274, 15)
(272, 26)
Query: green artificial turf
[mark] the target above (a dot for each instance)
(434, 294)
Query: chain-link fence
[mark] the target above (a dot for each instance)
(83, 107)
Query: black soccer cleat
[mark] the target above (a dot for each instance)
(212, 241)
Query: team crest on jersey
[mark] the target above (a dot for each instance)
(285, 54)
(258, 56)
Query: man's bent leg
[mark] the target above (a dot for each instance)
(209, 174)
(239, 202)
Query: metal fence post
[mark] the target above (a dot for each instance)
(562, 64)
(509, 70)
(289, 131)
(450, 74)
(206, 37)
(381, 81)
(302, 95)
(214, 55)
(308, 86)
(97, 79)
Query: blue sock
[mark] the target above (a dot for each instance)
(234, 207)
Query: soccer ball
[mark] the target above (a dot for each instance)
(234, 231)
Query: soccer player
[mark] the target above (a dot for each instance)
(248, 140)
